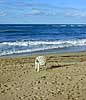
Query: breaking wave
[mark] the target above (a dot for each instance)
(18, 47)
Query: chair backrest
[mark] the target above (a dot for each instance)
(41, 60)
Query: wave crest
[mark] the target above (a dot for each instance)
(18, 47)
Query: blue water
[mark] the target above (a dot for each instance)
(47, 38)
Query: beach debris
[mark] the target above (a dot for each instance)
(40, 61)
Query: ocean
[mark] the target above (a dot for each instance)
(29, 39)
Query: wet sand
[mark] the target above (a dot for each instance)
(64, 79)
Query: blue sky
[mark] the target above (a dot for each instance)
(42, 11)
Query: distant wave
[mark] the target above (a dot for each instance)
(77, 42)
(17, 43)
(13, 31)
(68, 25)
(7, 48)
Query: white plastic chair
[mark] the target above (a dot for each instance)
(40, 61)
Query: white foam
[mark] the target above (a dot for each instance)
(17, 43)
(56, 42)
(72, 42)
(38, 45)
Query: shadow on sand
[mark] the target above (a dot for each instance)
(58, 66)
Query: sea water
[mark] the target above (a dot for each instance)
(19, 39)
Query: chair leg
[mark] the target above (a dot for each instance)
(38, 68)
(36, 64)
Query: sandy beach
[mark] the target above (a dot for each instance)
(64, 79)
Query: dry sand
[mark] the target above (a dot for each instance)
(65, 78)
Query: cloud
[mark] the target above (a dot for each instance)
(28, 4)
(31, 3)
(36, 12)
(2, 13)
(23, 4)
(42, 12)
(76, 13)
(48, 10)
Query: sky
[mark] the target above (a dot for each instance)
(42, 11)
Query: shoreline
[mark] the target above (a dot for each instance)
(41, 54)
(64, 79)
(47, 52)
